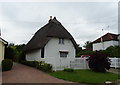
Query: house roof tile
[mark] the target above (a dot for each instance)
(107, 37)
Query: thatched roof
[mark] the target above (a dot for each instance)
(53, 29)
(107, 37)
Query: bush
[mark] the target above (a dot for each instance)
(44, 66)
(68, 70)
(99, 62)
(113, 51)
(30, 63)
(41, 65)
(47, 67)
(7, 64)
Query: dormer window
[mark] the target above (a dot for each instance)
(61, 40)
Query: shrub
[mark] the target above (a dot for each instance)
(99, 62)
(68, 70)
(30, 63)
(44, 66)
(47, 67)
(41, 65)
(113, 51)
(7, 64)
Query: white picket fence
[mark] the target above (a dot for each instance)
(79, 63)
(115, 62)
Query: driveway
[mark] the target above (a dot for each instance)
(113, 70)
(25, 74)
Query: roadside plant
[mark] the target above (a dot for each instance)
(99, 62)
(7, 64)
(41, 65)
(68, 70)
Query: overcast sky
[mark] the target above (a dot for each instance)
(84, 20)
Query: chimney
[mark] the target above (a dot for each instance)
(50, 17)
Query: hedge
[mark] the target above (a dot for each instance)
(7, 64)
(41, 65)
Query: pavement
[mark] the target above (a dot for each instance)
(114, 70)
(25, 74)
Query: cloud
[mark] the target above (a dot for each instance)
(84, 20)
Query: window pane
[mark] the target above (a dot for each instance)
(61, 40)
(63, 54)
(42, 52)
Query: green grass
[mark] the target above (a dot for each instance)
(85, 76)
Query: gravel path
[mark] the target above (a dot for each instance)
(25, 74)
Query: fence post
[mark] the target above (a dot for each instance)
(84, 63)
(115, 63)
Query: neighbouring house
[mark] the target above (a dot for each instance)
(106, 41)
(53, 44)
(3, 43)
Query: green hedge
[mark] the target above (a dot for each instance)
(68, 70)
(113, 51)
(39, 65)
(7, 64)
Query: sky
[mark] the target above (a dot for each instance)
(84, 20)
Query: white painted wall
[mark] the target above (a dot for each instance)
(52, 54)
(33, 56)
(2, 47)
(104, 45)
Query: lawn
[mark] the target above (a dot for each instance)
(85, 76)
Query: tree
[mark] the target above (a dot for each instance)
(99, 62)
(20, 52)
(9, 53)
(113, 51)
(15, 52)
(88, 45)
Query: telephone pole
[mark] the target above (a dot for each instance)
(102, 40)
(0, 31)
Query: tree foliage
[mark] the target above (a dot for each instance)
(99, 62)
(9, 53)
(113, 51)
(84, 52)
(88, 45)
(15, 52)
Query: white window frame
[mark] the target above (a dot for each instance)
(61, 40)
(63, 54)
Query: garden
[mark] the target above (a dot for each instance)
(98, 63)
(85, 76)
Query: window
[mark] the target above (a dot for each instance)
(42, 52)
(63, 54)
(61, 40)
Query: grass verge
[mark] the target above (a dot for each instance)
(85, 76)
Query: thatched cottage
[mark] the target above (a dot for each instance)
(53, 44)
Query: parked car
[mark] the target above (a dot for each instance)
(85, 56)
